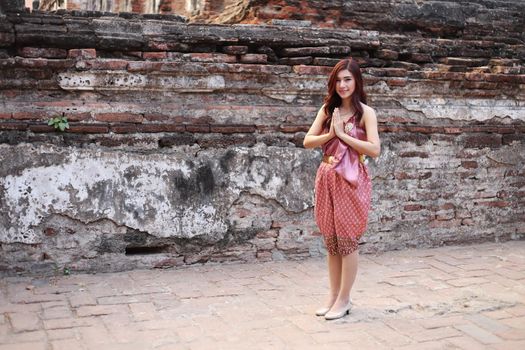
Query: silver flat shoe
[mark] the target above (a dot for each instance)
(334, 316)
(322, 311)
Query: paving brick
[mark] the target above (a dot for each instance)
(461, 282)
(56, 312)
(388, 336)
(98, 310)
(68, 323)
(479, 334)
(56, 334)
(488, 323)
(465, 343)
(510, 345)
(82, 299)
(442, 321)
(22, 322)
(24, 346)
(515, 322)
(270, 305)
(143, 311)
(26, 337)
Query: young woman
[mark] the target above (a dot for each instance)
(346, 129)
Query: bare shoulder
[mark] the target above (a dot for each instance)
(368, 111)
(369, 114)
(321, 113)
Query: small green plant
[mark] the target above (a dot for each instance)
(59, 123)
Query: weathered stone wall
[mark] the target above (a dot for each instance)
(185, 141)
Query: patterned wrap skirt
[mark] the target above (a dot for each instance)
(341, 209)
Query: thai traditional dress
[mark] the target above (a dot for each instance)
(342, 193)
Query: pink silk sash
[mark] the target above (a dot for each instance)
(348, 165)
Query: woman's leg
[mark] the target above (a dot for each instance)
(334, 272)
(348, 273)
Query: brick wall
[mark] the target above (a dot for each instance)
(185, 141)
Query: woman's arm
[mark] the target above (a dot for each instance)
(313, 138)
(372, 146)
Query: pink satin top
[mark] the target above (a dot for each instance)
(349, 158)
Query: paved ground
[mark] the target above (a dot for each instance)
(470, 297)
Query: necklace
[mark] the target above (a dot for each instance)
(349, 125)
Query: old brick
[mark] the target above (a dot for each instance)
(325, 61)
(253, 58)
(386, 72)
(82, 53)
(292, 128)
(292, 61)
(413, 154)
(425, 129)
(124, 128)
(133, 53)
(305, 51)
(340, 50)
(41, 128)
(312, 70)
(264, 255)
(177, 140)
(479, 85)
(460, 61)
(445, 215)
(102, 64)
(212, 57)
(198, 128)
(226, 140)
(452, 130)
(13, 126)
(77, 116)
(49, 231)
(231, 129)
(413, 207)
(481, 141)
(88, 128)
(396, 82)
(418, 139)
(32, 62)
(424, 175)
(402, 175)
(154, 55)
(420, 57)
(144, 66)
(509, 139)
(496, 204)
(35, 52)
(119, 117)
(235, 50)
(469, 164)
(444, 223)
(387, 54)
(506, 78)
(159, 117)
(161, 128)
(6, 115)
(161, 46)
(267, 128)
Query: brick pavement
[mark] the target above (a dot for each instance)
(461, 297)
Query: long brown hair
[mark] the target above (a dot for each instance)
(333, 100)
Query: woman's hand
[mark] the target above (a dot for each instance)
(337, 122)
(331, 132)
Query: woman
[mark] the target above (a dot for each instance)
(346, 128)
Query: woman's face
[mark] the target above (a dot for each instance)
(345, 84)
